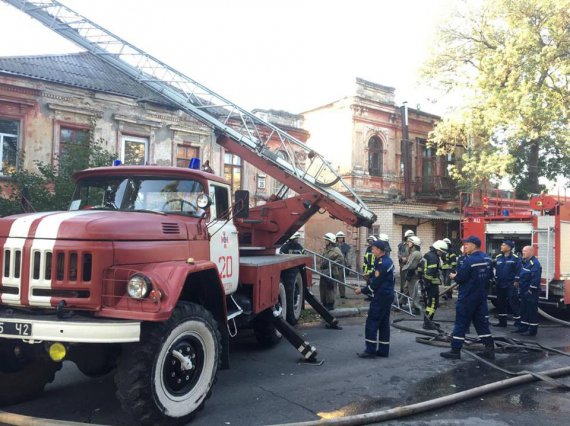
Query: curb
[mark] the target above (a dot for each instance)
(21, 420)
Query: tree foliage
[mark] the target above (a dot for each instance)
(509, 62)
(51, 186)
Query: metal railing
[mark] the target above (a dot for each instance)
(359, 280)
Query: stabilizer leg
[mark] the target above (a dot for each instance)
(308, 351)
(321, 310)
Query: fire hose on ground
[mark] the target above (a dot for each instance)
(504, 344)
(420, 407)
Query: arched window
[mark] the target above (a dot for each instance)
(375, 156)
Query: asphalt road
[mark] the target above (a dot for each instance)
(271, 386)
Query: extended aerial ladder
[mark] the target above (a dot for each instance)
(317, 184)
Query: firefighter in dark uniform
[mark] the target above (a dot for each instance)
(507, 267)
(430, 276)
(529, 291)
(292, 246)
(368, 264)
(381, 290)
(448, 265)
(473, 277)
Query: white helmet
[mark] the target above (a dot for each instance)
(447, 241)
(440, 245)
(340, 234)
(329, 236)
(409, 233)
(415, 240)
(383, 237)
(295, 236)
(371, 238)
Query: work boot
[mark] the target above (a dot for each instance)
(502, 322)
(452, 354)
(489, 352)
(430, 325)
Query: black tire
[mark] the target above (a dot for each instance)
(265, 332)
(95, 360)
(27, 381)
(151, 385)
(295, 297)
(264, 328)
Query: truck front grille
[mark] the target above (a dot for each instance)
(12, 263)
(69, 266)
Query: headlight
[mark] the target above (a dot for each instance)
(139, 286)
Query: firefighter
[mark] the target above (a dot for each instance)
(292, 246)
(345, 249)
(529, 291)
(368, 264)
(430, 274)
(386, 239)
(381, 290)
(507, 267)
(326, 285)
(403, 252)
(448, 265)
(410, 273)
(473, 277)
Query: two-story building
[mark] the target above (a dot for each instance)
(381, 150)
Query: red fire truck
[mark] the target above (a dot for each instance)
(543, 222)
(152, 270)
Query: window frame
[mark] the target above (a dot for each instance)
(74, 127)
(186, 146)
(232, 166)
(131, 138)
(18, 137)
(378, 171)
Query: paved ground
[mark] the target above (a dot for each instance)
(271, 386)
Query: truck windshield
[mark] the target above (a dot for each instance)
(172, 196)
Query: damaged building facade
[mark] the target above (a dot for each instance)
(50, 102)
(381, 151)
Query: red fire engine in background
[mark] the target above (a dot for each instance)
(543, 222)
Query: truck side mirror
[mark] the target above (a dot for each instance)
(241, 204)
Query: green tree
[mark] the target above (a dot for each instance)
(509, 63)
(51, 186)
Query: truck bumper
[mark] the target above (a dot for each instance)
(76, 330)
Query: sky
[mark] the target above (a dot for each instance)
(289, 55)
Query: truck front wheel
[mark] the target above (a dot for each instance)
(167, 377)
(21, 377)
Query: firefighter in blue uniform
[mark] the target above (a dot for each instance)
(473, 275)
(529, 291)
(507, 268)
(381, 290)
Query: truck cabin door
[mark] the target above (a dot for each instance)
(224, 248)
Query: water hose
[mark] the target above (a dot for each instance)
(420, 407)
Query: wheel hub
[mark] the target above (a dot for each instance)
(182, 366)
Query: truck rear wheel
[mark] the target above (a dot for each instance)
(168, 376)
(294, 290)
(23, 379)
